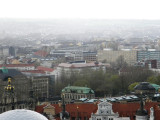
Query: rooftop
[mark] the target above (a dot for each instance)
(79, 65)
(34, 71)
(45, 69)
(77, 89)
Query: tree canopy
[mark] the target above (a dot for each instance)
(108, 82)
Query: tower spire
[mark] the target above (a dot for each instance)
(64, 115)
(9, 91)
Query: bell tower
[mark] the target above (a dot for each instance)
(9, 97)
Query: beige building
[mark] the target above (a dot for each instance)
(75, 93)
(111, 56)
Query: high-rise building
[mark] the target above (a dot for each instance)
(149, 56)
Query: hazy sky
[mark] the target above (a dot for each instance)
(110, 9)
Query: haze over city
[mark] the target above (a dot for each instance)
(79, 60)
(96, 9)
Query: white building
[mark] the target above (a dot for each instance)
(77, 67)
(105, 112)
(20, 67)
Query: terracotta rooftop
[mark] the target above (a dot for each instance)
(79, 65)
(86, 109)
(124, 109)
(45, 69)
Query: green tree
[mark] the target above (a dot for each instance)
(81, 82)
(152, 79)
(131, 86)
(120, 62)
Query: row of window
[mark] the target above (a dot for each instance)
(105, 118)
(73, 96)
(4, 109)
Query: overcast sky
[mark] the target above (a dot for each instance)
(108, 9)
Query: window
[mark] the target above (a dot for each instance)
(101, 111)
(4, 109)
(85, 118)
(73, 118)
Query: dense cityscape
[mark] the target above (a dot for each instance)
(86, 69)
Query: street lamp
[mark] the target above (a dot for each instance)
(64, 115)
(141, 90)
(77, 113)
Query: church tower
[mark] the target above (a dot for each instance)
(9, 97)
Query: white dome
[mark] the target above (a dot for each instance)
(21, 114)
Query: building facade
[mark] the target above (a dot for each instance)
(105, 112)
(18, 98)
(80, 67)
(20, 67)
(90, 56)
(130, 57)
(149, 56)
(75, 93)
(42, 87)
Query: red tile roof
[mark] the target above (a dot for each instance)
(79, 65)
(124, 109)
(85, 110)
(129, 109)
(45, 69)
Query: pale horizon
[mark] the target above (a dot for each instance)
(80, 9)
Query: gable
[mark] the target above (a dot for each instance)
(49, 107)
(105, 104)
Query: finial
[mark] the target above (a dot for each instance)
(9, 87)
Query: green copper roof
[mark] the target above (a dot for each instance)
(5, 70)
(156, 86)
(76, 89)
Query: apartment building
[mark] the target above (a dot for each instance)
(130, 56)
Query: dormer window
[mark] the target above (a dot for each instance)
(101, 111)
(110, 118)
